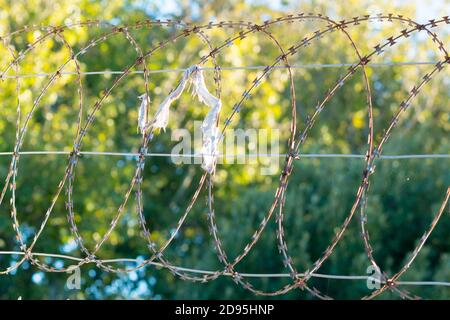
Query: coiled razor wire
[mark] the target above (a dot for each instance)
(206, 181)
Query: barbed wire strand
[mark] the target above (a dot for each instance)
(299, 279)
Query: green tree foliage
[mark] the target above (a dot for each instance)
(404, 194)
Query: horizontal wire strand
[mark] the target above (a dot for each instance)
(302, 66)
(253, 155)
(249, 275)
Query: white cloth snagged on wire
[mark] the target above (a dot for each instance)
(162, 115)
(142, 120)
(210, 130)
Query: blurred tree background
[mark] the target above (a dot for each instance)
(404, 196)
